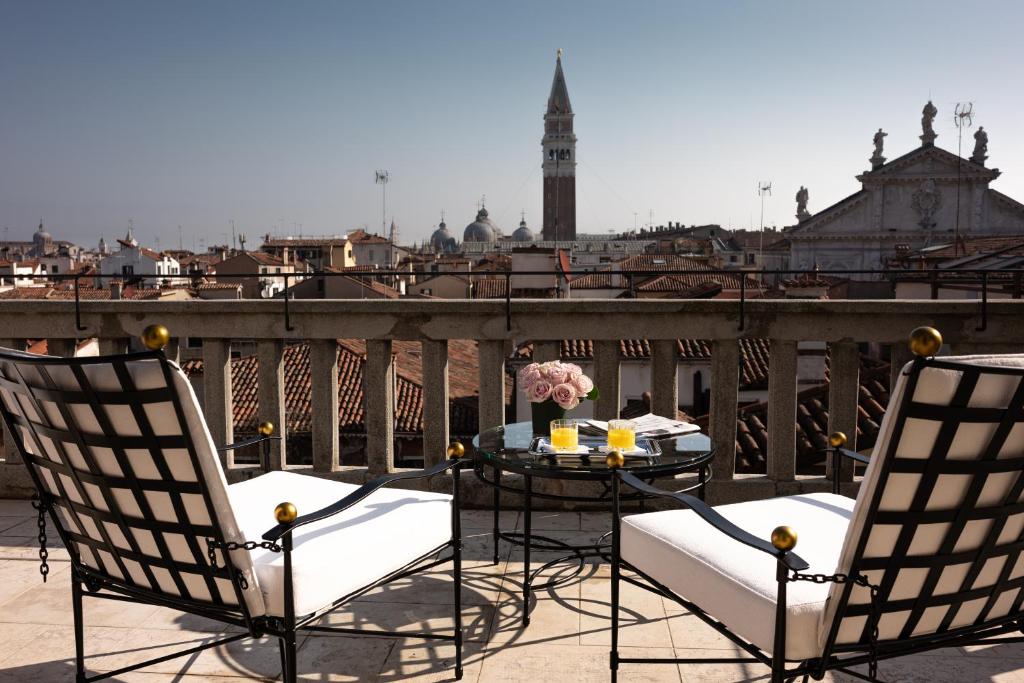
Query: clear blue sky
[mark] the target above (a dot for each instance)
(277, 114)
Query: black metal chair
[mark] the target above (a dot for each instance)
(125, 467)
(929, 555)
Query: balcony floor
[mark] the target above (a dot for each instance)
(567, 639)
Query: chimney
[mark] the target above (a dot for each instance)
(115, 290)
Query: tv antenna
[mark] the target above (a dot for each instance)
(764, 188)
(234, 242)
(382, 178)
(963, 117)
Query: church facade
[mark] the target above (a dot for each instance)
(926, 197)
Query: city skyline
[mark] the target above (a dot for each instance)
(197, 115)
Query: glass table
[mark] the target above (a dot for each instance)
(505, 451)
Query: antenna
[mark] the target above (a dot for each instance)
(963, 117)
(764, 188)
(179, 238)
(382, 178)
(234, 244)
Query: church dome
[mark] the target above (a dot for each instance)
(41, 237)
(522, 233)
(482, 229)
(441, 240)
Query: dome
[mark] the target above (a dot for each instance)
(482, 229)
(41, 236)
(522, 233)
(441, 241)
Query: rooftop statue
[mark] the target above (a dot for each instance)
(928, 133)
(980, 146)
(877, 159)
(801, 204)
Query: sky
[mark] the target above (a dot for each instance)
(276, 115)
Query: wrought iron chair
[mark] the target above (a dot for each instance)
(929, 555)
(125, 467)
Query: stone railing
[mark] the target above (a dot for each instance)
(842, 324)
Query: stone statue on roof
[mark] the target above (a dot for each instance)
(980, 146)
(928, 114)
(802, 195)
(877, 159)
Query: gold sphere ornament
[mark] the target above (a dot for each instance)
(286, 513)
(783, 538)
(615, 459)
(837, 439)
(266, 428)
(925, 341)
(456, 451)
(155, 337)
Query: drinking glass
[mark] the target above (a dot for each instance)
(565, 435)
(622, 434)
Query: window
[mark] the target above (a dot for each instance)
(751, 258)
(54, 270)
(194, 342)
(263, 270)
(277, 270)
(370, 253)
(127, 270)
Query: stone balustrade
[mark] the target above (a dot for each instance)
(842, 324)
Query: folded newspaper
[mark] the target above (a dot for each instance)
(649, 426)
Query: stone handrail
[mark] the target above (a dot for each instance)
(842, 324)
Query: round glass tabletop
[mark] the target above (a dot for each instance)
(507, 448)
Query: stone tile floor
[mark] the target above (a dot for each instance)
(566, 641)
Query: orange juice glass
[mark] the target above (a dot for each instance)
(621, 434)
(565, 435)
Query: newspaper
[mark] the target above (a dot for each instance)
(649, 426)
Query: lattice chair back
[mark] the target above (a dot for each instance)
(938, 525)
(119, 447)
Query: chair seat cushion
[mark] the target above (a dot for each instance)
(734, 583)
(336, 556)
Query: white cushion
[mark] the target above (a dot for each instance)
(341, 554)
(735, 583)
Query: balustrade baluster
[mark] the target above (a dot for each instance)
(435, 401)
(323, 368)
(843, 396)
(217, 396)
(725, 358)
(607, 378)
(665, 377)
(782, 410)
(379, 406)
(492, 384)
(270, 383)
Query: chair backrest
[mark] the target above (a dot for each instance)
(939, 521)
(119, 447)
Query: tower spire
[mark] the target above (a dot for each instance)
(559, 162)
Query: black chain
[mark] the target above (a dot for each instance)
(212, 545)
(42, 506)
(862, 581)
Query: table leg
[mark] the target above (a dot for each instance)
(527, 504)
(495, 533)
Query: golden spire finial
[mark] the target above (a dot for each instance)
(559, 53)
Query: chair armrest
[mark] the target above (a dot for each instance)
(247, 442)
(852, 455)
(788, 559)
(359, 494)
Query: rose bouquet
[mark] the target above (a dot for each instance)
(553, 388)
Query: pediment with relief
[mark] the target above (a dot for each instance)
(928, 162)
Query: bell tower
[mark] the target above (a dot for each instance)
(559, 149)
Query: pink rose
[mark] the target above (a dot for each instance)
(584, 385)
(529, 375)
(555, 373)
(572, 367)
(539, 391)
(565, 396)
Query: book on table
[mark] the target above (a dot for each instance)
(648, 426)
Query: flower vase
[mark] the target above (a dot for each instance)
(543, 413)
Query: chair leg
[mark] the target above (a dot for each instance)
(76, 602)
(497, 514)
(613, 659)
(457, 590)
(289, 673)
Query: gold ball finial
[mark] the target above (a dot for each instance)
(783, 538)
(266, 428)
(285, 513)
(925, 341)
(155, 337)
(837, 439)
(456, 451)
(615, 459)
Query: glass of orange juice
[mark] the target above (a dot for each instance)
(622, 435)
(565, 435)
